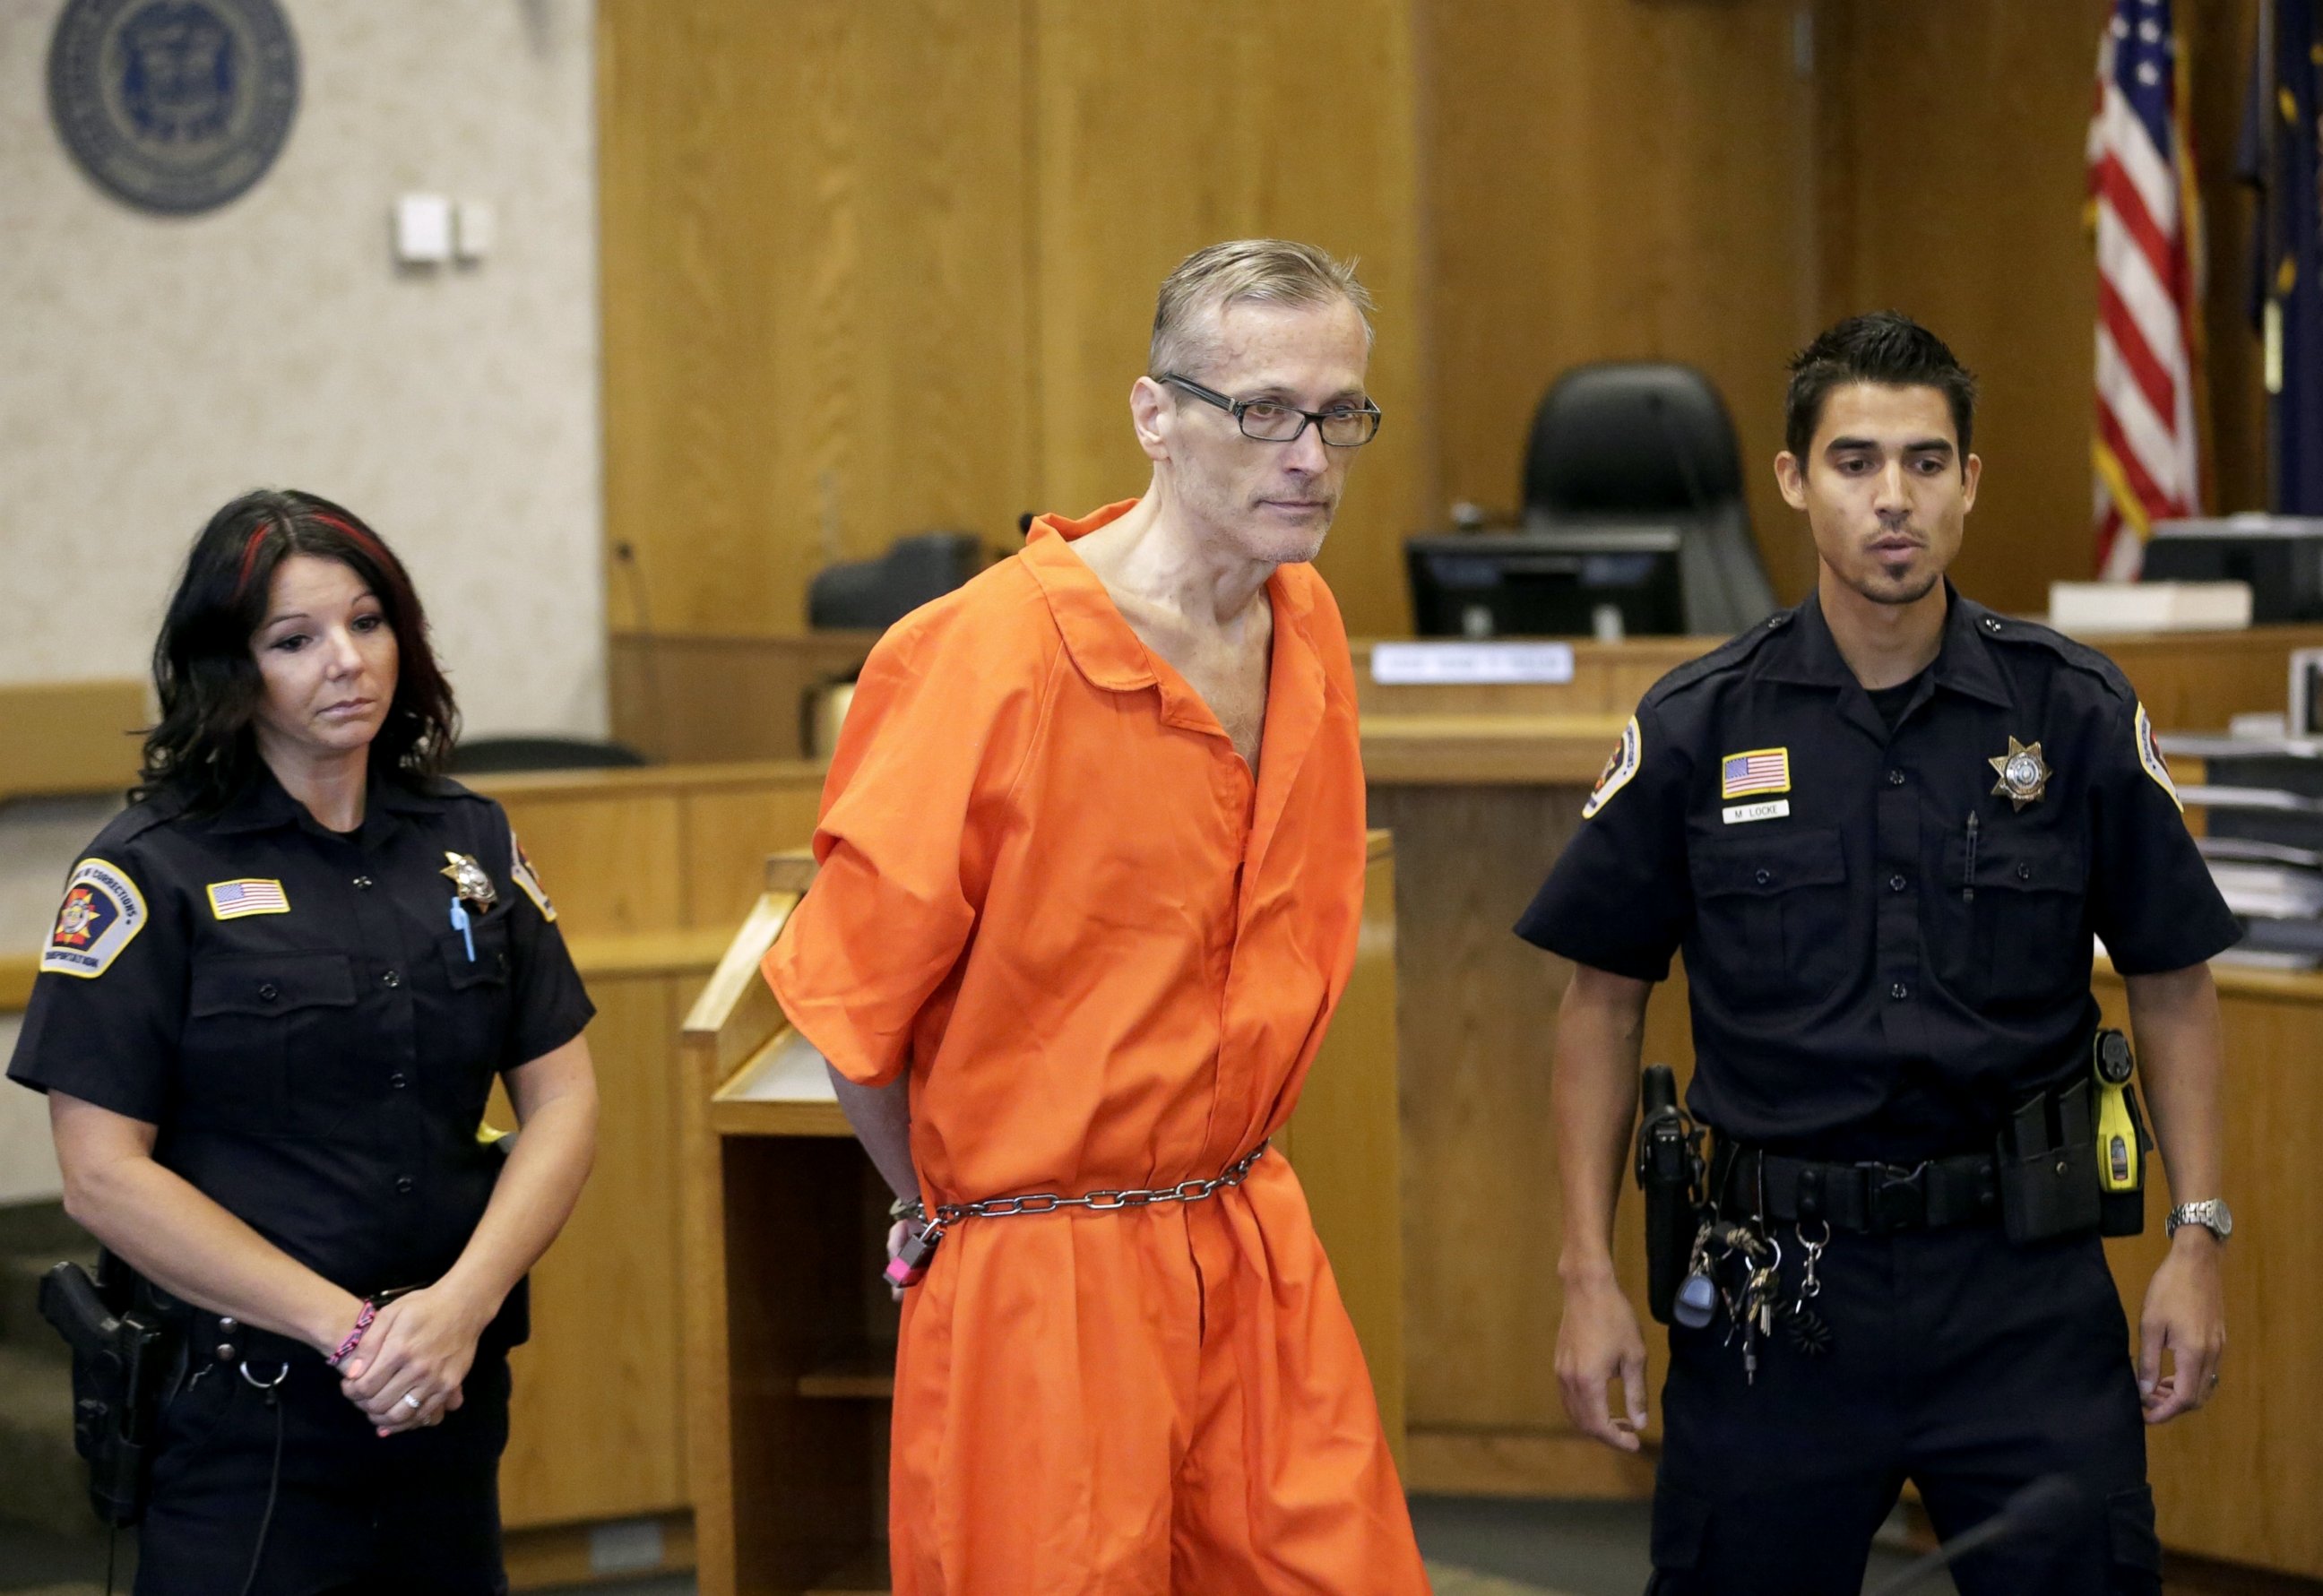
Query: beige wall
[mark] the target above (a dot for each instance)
(152, 368)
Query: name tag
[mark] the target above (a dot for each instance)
(1738, 814)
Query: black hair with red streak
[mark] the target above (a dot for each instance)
(204, 750)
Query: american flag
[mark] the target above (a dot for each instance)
(230, 900)
(2148, 221)
(1766, 771)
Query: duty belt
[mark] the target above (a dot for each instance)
(1871, 1196)
(1048, 1202)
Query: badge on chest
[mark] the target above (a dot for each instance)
(2023, 774)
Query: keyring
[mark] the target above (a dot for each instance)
(281, 1373)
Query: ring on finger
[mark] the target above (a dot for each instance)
(412, 1400)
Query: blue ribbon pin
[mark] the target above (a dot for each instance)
(460, 924)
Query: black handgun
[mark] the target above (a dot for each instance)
(1669, 1173)
(117, 1353)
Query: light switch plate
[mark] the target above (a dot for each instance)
(423, 228)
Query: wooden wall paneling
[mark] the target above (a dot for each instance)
(597, 1429)
(816, 330)
(2236, 1480)
(70, 736)
(729, 833)
(609, 862)
(1613, 180)
(1477, 1035)
(1344, 1144)
(1158, 129)
(2198, 681)
(682, 700)
(2003, 271)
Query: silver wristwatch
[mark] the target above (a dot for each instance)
(2211, 1213)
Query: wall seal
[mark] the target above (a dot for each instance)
(173, 105)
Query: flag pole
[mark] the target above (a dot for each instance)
(2269, 203)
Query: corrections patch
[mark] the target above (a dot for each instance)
(1619, 768)
(232, 900)
(2149, 755)
(521, 872)
(102, 913)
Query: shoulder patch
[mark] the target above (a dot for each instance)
(1619, 767)
(102, 913)
(2149, 755)
(1732, 652)
(521, 872)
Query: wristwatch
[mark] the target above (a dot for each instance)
(2211, 1213)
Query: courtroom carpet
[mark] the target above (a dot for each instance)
(1475, 1547)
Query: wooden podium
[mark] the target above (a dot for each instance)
(790, 1337)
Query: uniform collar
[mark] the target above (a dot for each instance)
(1964, 662)
(265, 805)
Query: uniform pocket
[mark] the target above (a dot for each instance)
(1772, 912)
(193, 1416)
(489, 968)
(2024, 947)
(467, 1026)
(247, 1016)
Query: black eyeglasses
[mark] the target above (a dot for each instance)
(1270, 421)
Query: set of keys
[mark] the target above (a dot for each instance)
(1755, 1310)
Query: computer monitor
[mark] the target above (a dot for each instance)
(1540, 583)
(2280, 556)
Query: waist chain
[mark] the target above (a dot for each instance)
(947, 1215)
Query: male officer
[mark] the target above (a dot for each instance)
(1883, 827)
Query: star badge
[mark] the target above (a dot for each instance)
(2024, 777)
(468, 881)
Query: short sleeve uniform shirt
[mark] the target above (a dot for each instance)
(297, 1013)
(1887, 930)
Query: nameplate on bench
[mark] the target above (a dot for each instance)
(1401, 664)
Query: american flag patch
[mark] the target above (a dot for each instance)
(1761, 770)
(230, 900)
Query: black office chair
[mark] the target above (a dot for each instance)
(1651, 443)
(488, 754)
(870, 595)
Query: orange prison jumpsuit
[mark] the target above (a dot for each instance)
(1048, 890)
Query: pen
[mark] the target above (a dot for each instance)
(460, 924)
(1968, 878)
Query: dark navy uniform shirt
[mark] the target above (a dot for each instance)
(1867, 982)
(295, 1011)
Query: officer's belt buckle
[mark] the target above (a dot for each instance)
(1894, 1197)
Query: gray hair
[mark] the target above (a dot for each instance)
(1270, 270)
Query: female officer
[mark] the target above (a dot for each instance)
(268, 1018)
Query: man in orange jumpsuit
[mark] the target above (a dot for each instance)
(1091, 870)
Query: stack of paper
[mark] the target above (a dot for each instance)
(2092, 608)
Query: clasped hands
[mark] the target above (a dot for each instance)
(406, 1373)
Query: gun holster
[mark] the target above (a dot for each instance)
(1670, 1175)
(119, 1353)
(2047, 1155)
